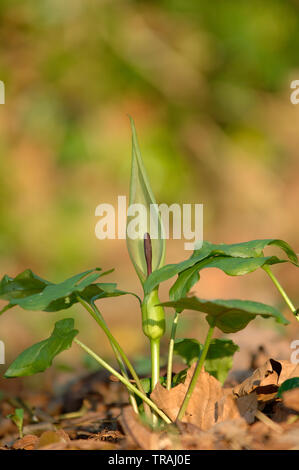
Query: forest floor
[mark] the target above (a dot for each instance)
(91, 412)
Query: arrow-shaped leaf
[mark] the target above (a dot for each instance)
(228, 315)
(33, 293)
(248, 250)
(39, 357)
(24, 284)
(231, 266)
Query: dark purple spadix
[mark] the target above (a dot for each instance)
(148, 252)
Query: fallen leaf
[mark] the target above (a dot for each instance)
(209, 403)
(52, 437)
(247, 407)
(289, 370)
(266, 379)
(140, 434)
(26, 443)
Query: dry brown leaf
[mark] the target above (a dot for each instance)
(48, 438)
(289, 370)
(209, 403)
(140, 435)
(266, 380)
(27, 442)
(247, 407)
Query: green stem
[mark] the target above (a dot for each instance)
(197, 371)
(124, 381)
(119, 352)
(123, 370)
(155, 358)
(281, 291)
(170, 350)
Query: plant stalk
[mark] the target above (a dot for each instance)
(196, 374)
(155, 358)
(170, 350)
(123, 370)
(281, 291)
(124, 381)
(119, 352)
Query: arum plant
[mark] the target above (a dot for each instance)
(146, 247)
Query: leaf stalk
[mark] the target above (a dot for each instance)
(170, 349)
(196, 374)
(124, 381)
(119, 352)
(281, 291)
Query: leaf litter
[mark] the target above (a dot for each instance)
(92, 414)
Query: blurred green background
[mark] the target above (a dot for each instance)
(208, 84)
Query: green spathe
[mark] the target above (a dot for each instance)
(141, 195)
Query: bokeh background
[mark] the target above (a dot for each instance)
(208, 85)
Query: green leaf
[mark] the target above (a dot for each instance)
(228, 315)
(219, 358)
(231, 266)
(147, 383)
(180, 377)
(238, 266)
(39, 357)
(288, 384)
(185, 281)
(17, 418)
(170, 270)
(188, 349)
(23, 285)
(252, 249)
(141, 193)
(33, 293)
(59, 292)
